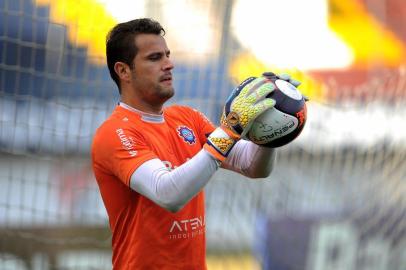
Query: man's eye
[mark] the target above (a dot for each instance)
(154, 57)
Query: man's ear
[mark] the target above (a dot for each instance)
(123, 71)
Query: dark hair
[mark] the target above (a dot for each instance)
(120, 45)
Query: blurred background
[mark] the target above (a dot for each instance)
(337, 197)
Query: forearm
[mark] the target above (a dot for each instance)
(173, 189)
(251, 160)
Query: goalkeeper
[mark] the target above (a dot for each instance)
(152, 162)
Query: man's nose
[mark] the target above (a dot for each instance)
(168, 65)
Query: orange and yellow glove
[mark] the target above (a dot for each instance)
(246, 102)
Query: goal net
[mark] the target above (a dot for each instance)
(336, 198)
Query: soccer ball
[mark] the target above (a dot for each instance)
(281, 124)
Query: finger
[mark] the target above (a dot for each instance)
(257, 110)
(285, 76)
(246, 129)
(268, 74)
(240, 88)
(264, 105)
(288, 78)
(262, 91)
(253, 86)
(296, 83)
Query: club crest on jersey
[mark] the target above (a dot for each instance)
(187, 134)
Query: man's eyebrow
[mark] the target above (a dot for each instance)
(153, 53)
(168, 52)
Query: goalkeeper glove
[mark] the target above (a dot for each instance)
(245, 103)
(285, 77)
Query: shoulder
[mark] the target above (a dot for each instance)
(107, 127)
(175, 109)
(113, 129)
(110, 124)
(184, 112)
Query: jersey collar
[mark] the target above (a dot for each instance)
(146, 117)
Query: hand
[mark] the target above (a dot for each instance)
(282, 76)
(245, 103)
(285, 77)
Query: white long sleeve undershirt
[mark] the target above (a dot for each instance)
(173, 189)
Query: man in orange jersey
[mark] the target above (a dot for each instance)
(152, 162)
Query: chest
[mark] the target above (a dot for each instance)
(173, 142)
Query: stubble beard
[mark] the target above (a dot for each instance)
(165, 93)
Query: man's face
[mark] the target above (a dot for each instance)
(151, 76)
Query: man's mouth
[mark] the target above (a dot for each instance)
(166, 78)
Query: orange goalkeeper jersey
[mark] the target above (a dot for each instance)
(146, 236)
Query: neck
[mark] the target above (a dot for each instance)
(142, 105)
(125, 105)
(146, 117)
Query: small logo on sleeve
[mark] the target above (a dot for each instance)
(187, 134)
(127, 142)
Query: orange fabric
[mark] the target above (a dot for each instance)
(231, 133)
(214, 153)
(146, 236)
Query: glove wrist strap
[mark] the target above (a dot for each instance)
(220, 142)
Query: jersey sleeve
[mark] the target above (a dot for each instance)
(120, 151)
